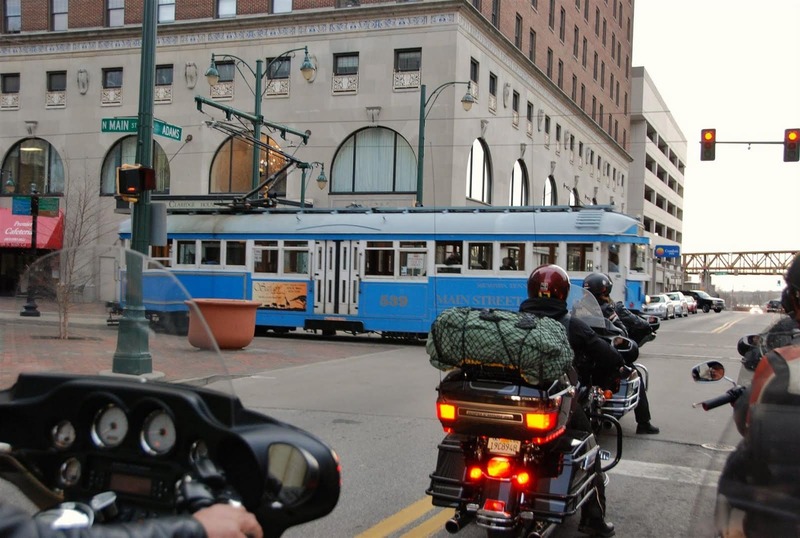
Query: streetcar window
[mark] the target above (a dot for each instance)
(413, 258)
(265, 257)
(295, 257)
(480, 256)
(579, 257)
(379, 258)
(638, 257)
(210, 253)
(235, 253)
(544, 253)
(512, 256)
(187, 252)
(448, 253)
(161, 255)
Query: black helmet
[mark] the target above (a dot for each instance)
(598, 284)
(548, 281)
(792, 278)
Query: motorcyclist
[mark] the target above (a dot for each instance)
(772, 383)
(215, 521)
(600, 285)
(596, 362)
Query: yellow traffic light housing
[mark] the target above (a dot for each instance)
(791, 145)
(708, 144)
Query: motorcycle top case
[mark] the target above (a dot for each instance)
(489, 405)
(536, 348)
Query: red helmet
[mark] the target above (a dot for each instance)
(548, 281)
(598, 284)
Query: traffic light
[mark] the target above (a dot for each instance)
(133, 180)
(708, 144)
(791, 145)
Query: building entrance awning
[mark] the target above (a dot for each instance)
(15, 231)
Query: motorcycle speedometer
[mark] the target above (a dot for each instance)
(158, 433)
(109, 427)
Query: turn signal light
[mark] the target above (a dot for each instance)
(499, 467)
(542, 421)
(446, 411)
(475, 473)
(607, 394)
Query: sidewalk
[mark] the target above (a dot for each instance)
(32, 344)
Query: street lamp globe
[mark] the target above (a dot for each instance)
(212, 74)
(322, 181)
(468, 100)
(307, 68)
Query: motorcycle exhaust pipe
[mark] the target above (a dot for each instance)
(458, 522)
(543, 531)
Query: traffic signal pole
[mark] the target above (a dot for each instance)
(790, 142)
(133, 354)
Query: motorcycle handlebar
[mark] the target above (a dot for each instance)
(729, 397)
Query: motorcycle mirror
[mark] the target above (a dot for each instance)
(707, 372)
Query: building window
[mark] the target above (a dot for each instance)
(57, 81)
(345, 72)
(518, 194)
(576, 41)
(550, 63)
(574, 87)
(560, 80)
(518, 31)
(492, 92)
(115, 12)
(479, 180)
(594, 69)
(535, 4)
(374, 160)
(278, 68)
(9, 83)
(613, 45)
(604, 33)
(226, 8)
(551, 16)
(124, 152)
(550, 194)
(58, 15)
(164, 75)
(602, 75)
(34, 161)
(611, 86)
(532, 46)
(496, 13)
(597, 21)
(13, 19)
(583, 96)
(474, 74)
(586, 10)
(562, 26)
(515, 108)
(226, 71)
(408, 60)
(112, 78)
(166, 10)
(232, 167)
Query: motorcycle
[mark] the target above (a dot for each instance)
(104, 424)
(757, 493)
(510, 462)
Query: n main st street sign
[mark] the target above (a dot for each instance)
(131, 125)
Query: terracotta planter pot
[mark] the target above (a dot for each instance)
(232, 323)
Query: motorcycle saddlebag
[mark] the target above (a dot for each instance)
(448, 482)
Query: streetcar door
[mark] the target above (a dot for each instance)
(336, 277)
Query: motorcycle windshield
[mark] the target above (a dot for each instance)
(583, 305)
(108, 311)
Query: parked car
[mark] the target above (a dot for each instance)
(705, 302)
(774, 306)
(659, 305)
(681, 308)
(691, 303)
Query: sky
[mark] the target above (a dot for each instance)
(732, 65)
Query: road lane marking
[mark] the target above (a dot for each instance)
(727, 325)
(399, 520)
(430, 526)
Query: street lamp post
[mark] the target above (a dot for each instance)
(212, 76)
(467, 101)
(321, 179)
(31, 309)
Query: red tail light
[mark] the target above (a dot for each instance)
(549, 437)
(607, 394)
(446, 411)
(475, 473)
(499, 467)
(494, 505)
(523, 478)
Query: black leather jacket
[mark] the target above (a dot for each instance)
(15, 523)
(596, 361)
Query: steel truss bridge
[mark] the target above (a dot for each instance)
(737, 263)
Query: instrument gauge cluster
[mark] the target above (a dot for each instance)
(158, 435)
(110, 426)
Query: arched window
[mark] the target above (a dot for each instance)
(374, 159)
(574, 198)
(550, 195)
(519, 185)
(479, 176)
(232, 167)
(124, 152)
(33, 161)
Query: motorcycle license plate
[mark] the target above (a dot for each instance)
(503, 446)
